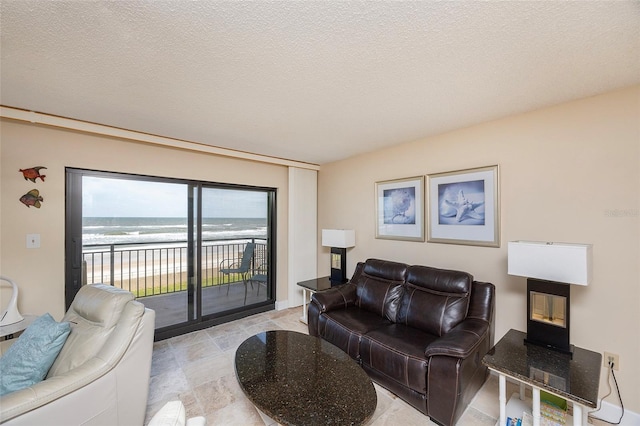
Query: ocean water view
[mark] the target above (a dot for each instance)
(131, 230)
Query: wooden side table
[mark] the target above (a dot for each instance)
(575, 377)
(312, 286)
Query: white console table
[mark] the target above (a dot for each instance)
(574, 377)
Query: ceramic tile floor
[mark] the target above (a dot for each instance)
(197, 368)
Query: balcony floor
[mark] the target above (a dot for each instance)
(171, 308)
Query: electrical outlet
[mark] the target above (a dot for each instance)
(33, 241)
(609, 357)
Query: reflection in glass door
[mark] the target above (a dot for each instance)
(135, 236)
(235, 242)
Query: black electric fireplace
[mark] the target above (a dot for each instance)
(339, 240)
(551, 269)
(338, 265)
(548, 318)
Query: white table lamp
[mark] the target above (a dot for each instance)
(339, 240)
(10, 314)
(548, 268)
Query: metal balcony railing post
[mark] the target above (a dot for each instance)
(138, 268)
(112, 262)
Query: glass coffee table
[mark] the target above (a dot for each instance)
(297, 379)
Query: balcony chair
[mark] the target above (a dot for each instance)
(259, 277)
(243, 267)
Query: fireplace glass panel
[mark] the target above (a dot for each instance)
(548, 309)
(336, 261)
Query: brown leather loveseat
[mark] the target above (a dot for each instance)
(420, 332)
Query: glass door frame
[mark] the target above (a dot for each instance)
(195, 319)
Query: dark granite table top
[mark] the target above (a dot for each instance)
(574, 377)
(317, 284)
(298, 379)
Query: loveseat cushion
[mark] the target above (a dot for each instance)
(434, 300)
(344, 328)
(397, 351)
(379, 286)
(29, 359)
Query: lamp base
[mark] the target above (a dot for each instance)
(338, 265)
(565, 350)
(337, 281)
(11, 315)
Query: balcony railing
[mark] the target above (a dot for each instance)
(149, 269)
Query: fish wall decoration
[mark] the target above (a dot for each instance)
(33, 173)
(32, 198)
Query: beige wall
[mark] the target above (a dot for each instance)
(569, 173)
(40, 272)
(564, 170)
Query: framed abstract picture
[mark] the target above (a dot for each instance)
(400, 209)
(464, 207)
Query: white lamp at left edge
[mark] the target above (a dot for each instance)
(10, 315)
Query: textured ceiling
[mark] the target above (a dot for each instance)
(310, 81)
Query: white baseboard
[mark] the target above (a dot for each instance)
(282, 305)
(611, 412)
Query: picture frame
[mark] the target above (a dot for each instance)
(464, 207)
(400, 209)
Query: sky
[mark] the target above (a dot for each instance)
(105, 197)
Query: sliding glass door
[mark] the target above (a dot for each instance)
(235, 247)
(194, 252)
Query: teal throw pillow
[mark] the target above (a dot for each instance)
(28, 360)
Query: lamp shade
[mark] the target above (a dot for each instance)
(559, 262)
(342, 238)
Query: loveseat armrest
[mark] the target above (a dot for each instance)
(455, 371)
(464, 338)
(461, 341)
(335, 298)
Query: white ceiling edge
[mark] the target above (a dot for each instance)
(104, 130)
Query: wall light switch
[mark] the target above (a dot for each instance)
(33, 241)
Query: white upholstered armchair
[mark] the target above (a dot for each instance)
(101, 375)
